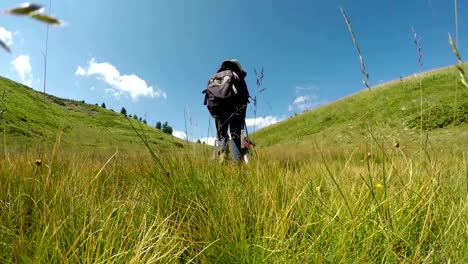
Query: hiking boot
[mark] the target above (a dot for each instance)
(245, 158)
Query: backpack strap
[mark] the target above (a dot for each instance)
(236, 80)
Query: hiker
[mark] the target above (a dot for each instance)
(226, 98)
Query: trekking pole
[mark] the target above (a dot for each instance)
(249, 141)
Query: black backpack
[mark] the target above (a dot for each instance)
(223, 93)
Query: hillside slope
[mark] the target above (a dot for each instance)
(31, 119)
(388, 113)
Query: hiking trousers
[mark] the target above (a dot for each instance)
(233, 121)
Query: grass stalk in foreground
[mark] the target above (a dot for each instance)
(275, 210)
(358, 50)
(417, 42)
(459, 65)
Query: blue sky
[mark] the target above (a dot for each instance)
(155, 57)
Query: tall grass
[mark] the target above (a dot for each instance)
(419, 48)
(338, 208)
(358, 50)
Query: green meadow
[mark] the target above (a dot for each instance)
(380, 176)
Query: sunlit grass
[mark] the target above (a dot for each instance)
(339, 184)
(379, 177)
(352, 207)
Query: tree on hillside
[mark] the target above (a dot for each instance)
(140, 119)
(166, 128)
(144, 121)
(135, 117)
(103, 105)
(158, 125)
(123, 111)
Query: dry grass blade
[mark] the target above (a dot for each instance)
(455, 3)
(417, 42)
(155, 157)
(47, 19)
(259, 76)
(361, 60)
(5, 46)
(459, 64)
(26, 9)
(35, 12)
(2, 100)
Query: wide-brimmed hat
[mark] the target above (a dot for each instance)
(236, 62)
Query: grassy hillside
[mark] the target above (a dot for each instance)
(32, 120)
(390, 112)
(328, 186)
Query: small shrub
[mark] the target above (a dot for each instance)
(58, 101)
(440, 116)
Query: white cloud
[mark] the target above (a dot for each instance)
(306, 100)
(301, 89)
(80, 71)
(114, 93)
(301, 103)
(22, 66)
(261, 122)
(208, 140)
(109, 91)
(301, 100)
(179, 134)
(6, 36)
(131, 84)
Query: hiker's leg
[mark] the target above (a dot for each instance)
(236, 125)
(222, 133)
